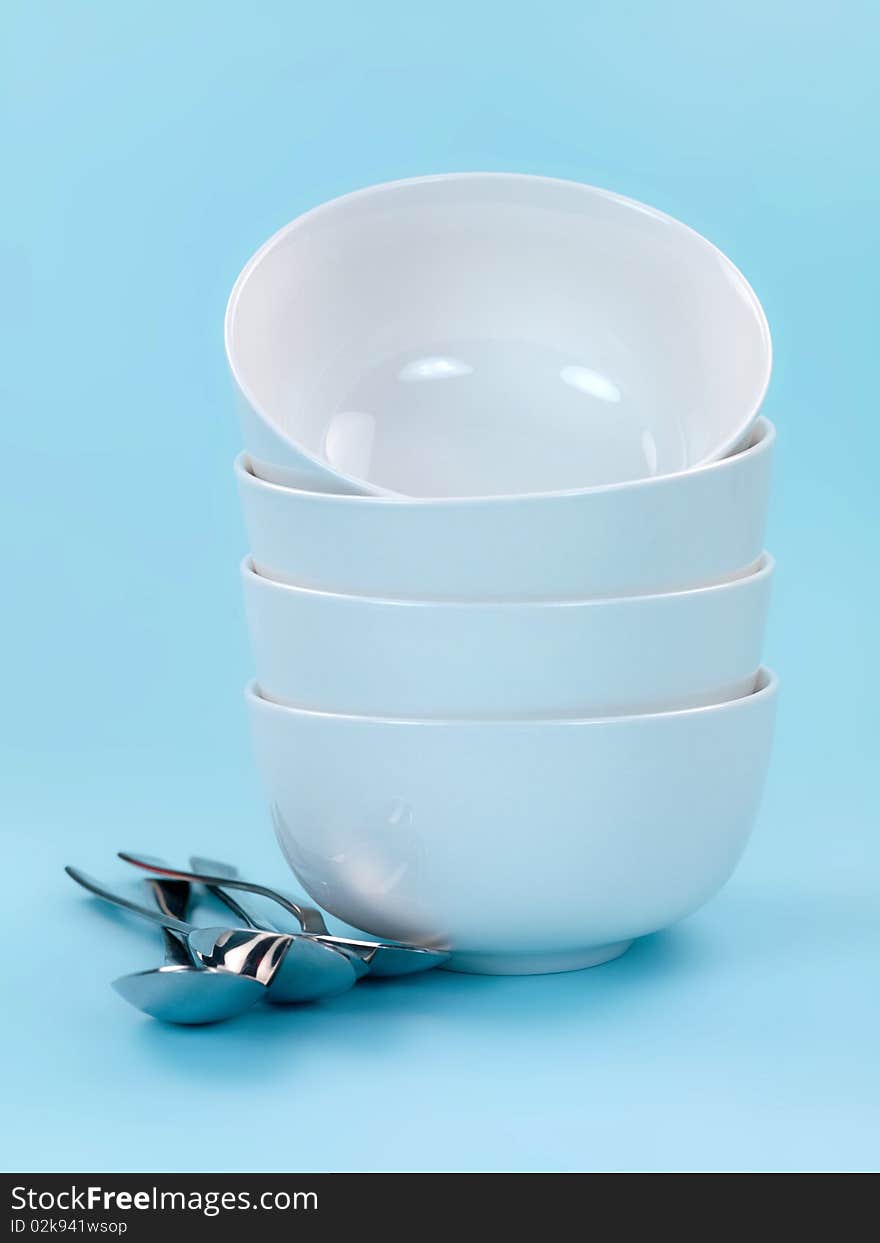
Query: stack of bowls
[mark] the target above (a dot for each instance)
(505, 483)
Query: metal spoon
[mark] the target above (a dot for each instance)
(179, 992)
(308, 917)
(385, 958)
(293, 968)
(251, 919)
(381, 958)
(172, 897)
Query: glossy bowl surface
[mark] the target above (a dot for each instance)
(524, 846)
(392, 657)
(661, 534)
(491, 334)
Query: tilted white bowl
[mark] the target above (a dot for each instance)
(491, 334)
(525, 846)
(391, 657)
(661, 534)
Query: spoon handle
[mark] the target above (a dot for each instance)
(155, 917)
(309, 919)
(240, 911)
(172, 897)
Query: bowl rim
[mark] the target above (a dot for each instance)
(762, 441)
(364, 192)
(751, 576)
(766, 688)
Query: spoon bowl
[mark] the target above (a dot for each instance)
(189, 995)
(294, 968)
(178, 992)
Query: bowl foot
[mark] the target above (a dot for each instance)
(535, 964)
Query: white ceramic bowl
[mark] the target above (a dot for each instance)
(491, 334)
(389, 657)
(523, 846)
(653, 535)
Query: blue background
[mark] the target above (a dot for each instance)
(150, 148)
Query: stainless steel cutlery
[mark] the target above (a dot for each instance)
(384, 958)
(180, 992)
(215, 973)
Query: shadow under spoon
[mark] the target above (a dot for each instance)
(291, 968)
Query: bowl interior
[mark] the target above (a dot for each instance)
(488, 334)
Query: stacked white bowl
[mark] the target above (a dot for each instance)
(505, 483)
